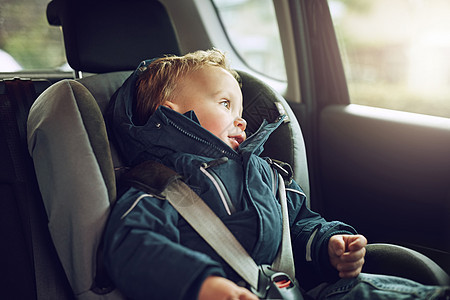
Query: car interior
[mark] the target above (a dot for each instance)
(59, 169)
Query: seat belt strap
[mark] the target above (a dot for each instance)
(285, 259)
(198, 214)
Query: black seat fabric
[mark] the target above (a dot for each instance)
(286, 144)
(400, 261)
(27, 248)
(106, 36)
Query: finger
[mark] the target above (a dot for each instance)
(353, 270)
(353, 256)
(350, 270)
(350, 266)
(358, 242)
(337, 245)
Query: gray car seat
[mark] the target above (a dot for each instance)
(74, 161)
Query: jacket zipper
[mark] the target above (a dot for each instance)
(218, 184)
(187, 133)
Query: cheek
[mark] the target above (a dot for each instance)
(218, 124)
(217, 128)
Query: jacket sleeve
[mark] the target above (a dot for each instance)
(310, 234)
(143, 254)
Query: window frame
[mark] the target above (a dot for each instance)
(218, 38)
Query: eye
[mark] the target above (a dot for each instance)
(226, 103)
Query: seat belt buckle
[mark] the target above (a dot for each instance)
(276, 285)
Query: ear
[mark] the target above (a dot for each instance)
(171, 105)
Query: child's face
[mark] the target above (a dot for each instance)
(216, 98)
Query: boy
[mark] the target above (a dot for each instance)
(186, 112)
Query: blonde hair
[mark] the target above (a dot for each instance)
(157, 83)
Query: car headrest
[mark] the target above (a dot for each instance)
(112, 35)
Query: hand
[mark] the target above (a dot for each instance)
(219, 288)
(347, 254)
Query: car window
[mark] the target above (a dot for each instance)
(27, 41)
(252, 29)
(396, 54)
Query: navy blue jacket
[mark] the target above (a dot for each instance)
(152, 253)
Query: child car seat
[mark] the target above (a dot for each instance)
(67, 138)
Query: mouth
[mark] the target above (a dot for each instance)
(236, 140)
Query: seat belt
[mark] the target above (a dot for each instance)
(208, 225)
(285, 259)
(198, 214)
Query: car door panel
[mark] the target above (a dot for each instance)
(388, 174)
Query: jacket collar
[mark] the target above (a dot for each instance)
(254, 144)
(168, 132)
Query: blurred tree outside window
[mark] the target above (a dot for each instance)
(396, 54)
(252, 29)
(27, 41)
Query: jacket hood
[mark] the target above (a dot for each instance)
(168, 131)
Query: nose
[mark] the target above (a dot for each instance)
(241, 123)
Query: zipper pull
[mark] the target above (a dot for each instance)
(215, 162)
